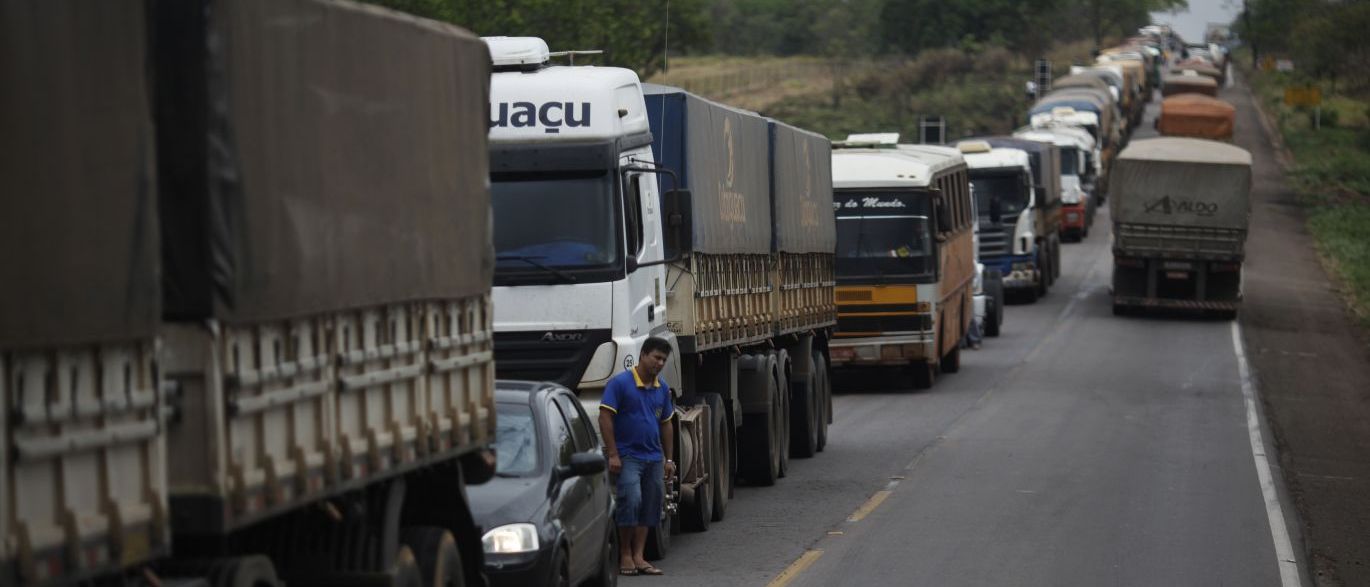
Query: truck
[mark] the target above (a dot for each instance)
(905, 258)
(1021, 212)
(1181, 207)
(1196, 116)
(1078, 176)
(245, 337)
(663, 214)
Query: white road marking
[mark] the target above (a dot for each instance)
(1274, 512)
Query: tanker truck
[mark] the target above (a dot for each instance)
(245, 334)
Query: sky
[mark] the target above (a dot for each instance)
(1190, 23)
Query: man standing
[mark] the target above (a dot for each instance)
(635, 419)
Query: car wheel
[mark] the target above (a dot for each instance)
(608, 566)
(562, 569)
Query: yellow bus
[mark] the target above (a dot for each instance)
(905, 263)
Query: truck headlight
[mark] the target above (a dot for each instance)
(510, 539)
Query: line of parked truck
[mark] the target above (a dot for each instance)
(270, 256)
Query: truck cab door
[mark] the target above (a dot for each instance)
(646, 285)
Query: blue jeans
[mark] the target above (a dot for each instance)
(641, 485)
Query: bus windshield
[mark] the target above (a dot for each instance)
(884, 236)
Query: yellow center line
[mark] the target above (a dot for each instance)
(869, 506)
(804, 561)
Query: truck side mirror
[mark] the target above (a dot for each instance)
(679, 224)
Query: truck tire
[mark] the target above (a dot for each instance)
(721, 466)
(924, 374)
(696, 513)
(824, 387)
(803, 417)
(951, 363)
(658, 539)
(1043, 273)
(760, 444)
(607, 576)
(994, 308)
(782, 430)
(406, 572)
(436, 552)
(1055, 260)
(247, 571)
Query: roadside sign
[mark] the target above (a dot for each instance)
(1302, 96)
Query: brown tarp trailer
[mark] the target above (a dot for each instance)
(1200, 67)
(1080, 81)
(1197, 116)
(1188, 84)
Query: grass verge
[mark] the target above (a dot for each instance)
(1331, 172)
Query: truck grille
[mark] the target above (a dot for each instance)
(995, 241)
(854, 325)
(536, 356)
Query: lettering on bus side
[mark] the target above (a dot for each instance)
(869, 202)
(551, 116)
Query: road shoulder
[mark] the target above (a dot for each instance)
(1311, 368)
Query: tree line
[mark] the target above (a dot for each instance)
(1325, 38)
(640, 34)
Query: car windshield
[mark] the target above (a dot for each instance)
(516, 441)
(882, 235)
(554, 223)
(998, 192)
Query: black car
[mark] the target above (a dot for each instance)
(548, 512)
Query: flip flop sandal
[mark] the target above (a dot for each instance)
(650, 570)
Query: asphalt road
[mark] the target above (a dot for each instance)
(1078, 448)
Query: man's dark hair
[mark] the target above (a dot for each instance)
(655, 343)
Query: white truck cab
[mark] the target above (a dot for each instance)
(1078, 158)
(1001, 180)
(579, 277)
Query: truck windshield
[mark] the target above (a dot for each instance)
(1070, 157)
(884, 237)
(555, 227)
(1000, 193)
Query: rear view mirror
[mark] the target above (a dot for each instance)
(583, 464)
(679, 225)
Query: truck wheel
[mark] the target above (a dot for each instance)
(607, 576)
(658, 539)
(782, 413)
(951, 363)
(696, 513)
(406, 571)
(924, 374)
(436, 552)
(247, 571)
(1055, 260)
(720, 466)
(760, 463)
(824, 387)
(803, 417)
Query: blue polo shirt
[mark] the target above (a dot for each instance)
(639, 411)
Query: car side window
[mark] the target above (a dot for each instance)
(563, 444)
(580, 424)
